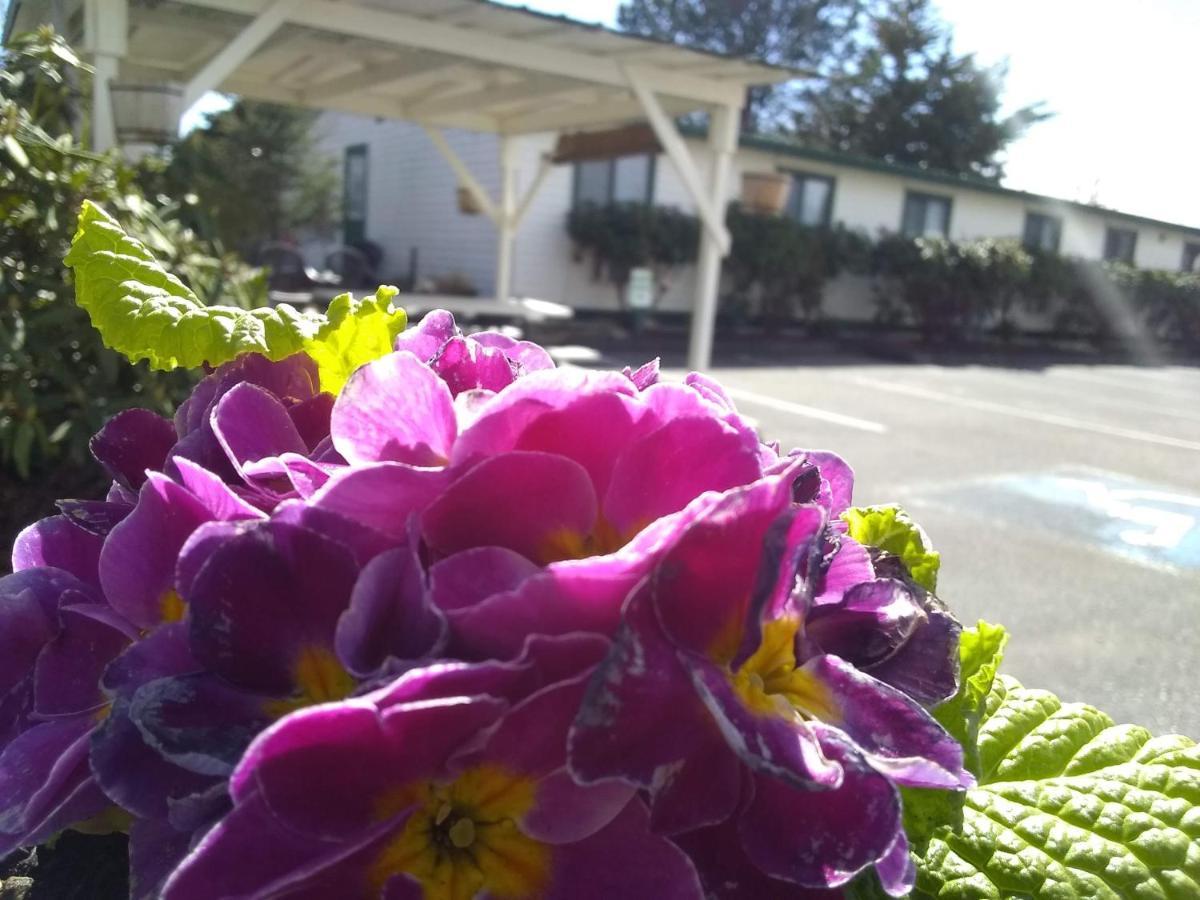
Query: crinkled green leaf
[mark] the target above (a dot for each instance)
(980, 650)
(890, 529)
(1069, 806)
(357, 331)
(142, 311)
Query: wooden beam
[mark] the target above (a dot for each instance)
(465, 178)
(494, 95)
(711, 210)
(390, 74)
(474, 44)
(273, 14)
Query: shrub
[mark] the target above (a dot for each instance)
(58, 382)
(780, 267)
(620, 237)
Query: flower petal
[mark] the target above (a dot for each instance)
(394, 409)
(131, 442)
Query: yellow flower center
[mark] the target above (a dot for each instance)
(462, 838)
(770, 683)
(567, 544)
(319, 678)
(171, 606)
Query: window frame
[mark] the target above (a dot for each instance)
(355, 230)
(1110, 231)
(1055, 221)
(651, 173)
(911, 196)
(1191, 253)
(799, 178)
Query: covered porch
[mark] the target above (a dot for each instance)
(468, 64)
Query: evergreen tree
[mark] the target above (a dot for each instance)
(808, 35)
(905, 96)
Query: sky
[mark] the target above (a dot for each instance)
(1119, 75)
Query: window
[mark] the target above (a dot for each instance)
(1042, 232)
(811, 199)
(354, 219)
(1191, 253)
(1119, 244)
(925, 215)
(626, 179)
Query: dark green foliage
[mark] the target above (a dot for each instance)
(905, 96)
(779, 267)
(257, 173)
(810, 35)
(620, 237)
(58, 383)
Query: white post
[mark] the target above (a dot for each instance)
(105, 33)
(506, 219)
(722, 142)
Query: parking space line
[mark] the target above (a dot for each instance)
(810, 412)
(1032, 415)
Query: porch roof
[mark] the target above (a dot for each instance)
(458, 63)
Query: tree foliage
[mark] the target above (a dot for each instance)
(257, 172)
(905, 96)
(805, 34)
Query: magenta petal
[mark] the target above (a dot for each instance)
(644, 375)
(305, 475)
(252, 424)
(311, 418)
(390, 616)
(703, 585)
(382, 495)
(394, 409)
(426, 338)
(566, 597)
(703, 789)
(554, 494)
(45, 782)
(566, 811)
(131, 442)
(727, 873)
(67, 677)
(251, 854)
(784, 747)
(528, 356)
(897, 871)
(214, 494)
(623, 860)
(58, 542)
(665, 470)
(137, 564)
(898, 737)
(29, 620)
(264, 595)
(830, 835)
(462, 580)
(837, 491)
(850, 565)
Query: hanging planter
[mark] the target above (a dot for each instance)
(467, 204)
(765, 193)
(146, 113)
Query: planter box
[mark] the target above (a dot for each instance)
(765, 192)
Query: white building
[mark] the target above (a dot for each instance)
(404, 193)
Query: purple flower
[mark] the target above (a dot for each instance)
(450, 782)
(764, 727)
(487, 361)
(56, 638)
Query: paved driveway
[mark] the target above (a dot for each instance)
(1065, 500)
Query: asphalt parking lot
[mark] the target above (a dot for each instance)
(1065, 499)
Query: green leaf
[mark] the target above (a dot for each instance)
(890, 529)
(980, 650)
(1069, 806)
(357, 331)
(141, 311)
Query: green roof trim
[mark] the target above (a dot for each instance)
(791, 147)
